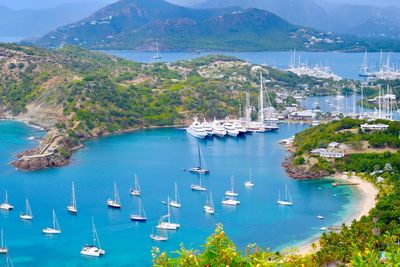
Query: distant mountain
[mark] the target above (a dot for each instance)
(29, 22)
(363, 20)
(137, 24)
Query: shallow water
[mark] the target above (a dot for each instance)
(157, 157)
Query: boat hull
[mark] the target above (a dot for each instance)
(158, 238)
(168, 226)
(113, 205)
(72, 210)
(199, 170)
(51, 231)
(92, 251)
(138, 218)
(196, 134)
(26, 217)
(6, 206)
(134, 192)
(284, 203)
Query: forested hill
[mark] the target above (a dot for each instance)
(138, 24)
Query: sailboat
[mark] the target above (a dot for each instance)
(27, 215)
(135, 191)
(55, 229)
(5, 205)
(114, 203)
(72, 208)
(209, 206)
(288, 199)
(175, 202)
(3, 248)
(249, 183)
(167, 225)
(230, 201)
(159, 237)
(232, 193)
(199, 169)
(157, 56)
(93, 250)
(198, 187)
(141, 217)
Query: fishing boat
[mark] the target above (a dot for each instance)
(141, 215)
(198, 187)
(114, 203)
(72, 207)
(167, 225)
(200, 168)
(27, 215)
(5, 205)
(161, 236)
(230, 201)
(175, 202)
(55, 229)
(288, 199)
(3, 248)
(209, 206)
(95, 249)
(249, 183)
(232, 193)
(135, 191)
(197, 130)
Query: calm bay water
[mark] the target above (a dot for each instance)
(346, 65)
(157, 157)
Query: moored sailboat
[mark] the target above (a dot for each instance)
(230, 201)
(198, 187)
(288, 199)
(55, 229)
(231, 192)
(136, 191)
(161, 236)
(209, 206)
(3, 248)
(95, 249)
(5, 205)
(175, 202)
(27, 215)
(141, 215)
(114, 203)
(249, 183)
(72, 207)
(199, 169)
(167, 225)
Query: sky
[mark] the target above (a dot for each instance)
(40, 4)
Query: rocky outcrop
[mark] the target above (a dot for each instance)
(32, 164)
(302, 172)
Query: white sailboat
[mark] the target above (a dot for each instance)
(249, 183)
(114, 203)
(55, 229)
(161, 236)
(157, 57)
(141, 216)
(198, 187)
(136, 191)
(72, 207)
(175, 202)
(230, 201)
(95, 249)
(27, 215)
(232, 193)
(3, 248)
(5, 205)
(209, 206)
(167, 225)
(199, 169)
(288, 199)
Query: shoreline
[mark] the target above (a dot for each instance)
(367, 194)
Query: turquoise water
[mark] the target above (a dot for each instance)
(157, 157)
(346, 65)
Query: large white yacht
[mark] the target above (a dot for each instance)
(197, 130)
(239, 127)
(230, 129)
(218, 130)
(207, 127)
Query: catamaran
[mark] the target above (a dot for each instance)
(27, 215)
(5, 205)
(72, 207)
(3, 248)
(288, 199)
(159, 237)
(114, 203)
(55, 229)
(199, 169)
(167, 225)
(249, 183)
(232, 193)
(209, 206)
(175, 202)
(95, 249)
(135, 191)
(141, 216)
(230, 201)
(198, 187)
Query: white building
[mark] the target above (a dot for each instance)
(374, 127)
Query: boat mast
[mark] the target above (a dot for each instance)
(73, 196)
(261, 99)
(2, 239)
(169, 212)
(116, 196)
(199, 154)
(176, 193)
(6, 196)
(248, 110)
(28, 207)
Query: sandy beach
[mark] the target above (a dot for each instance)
(367, 200)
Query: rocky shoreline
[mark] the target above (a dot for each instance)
(301, 172)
